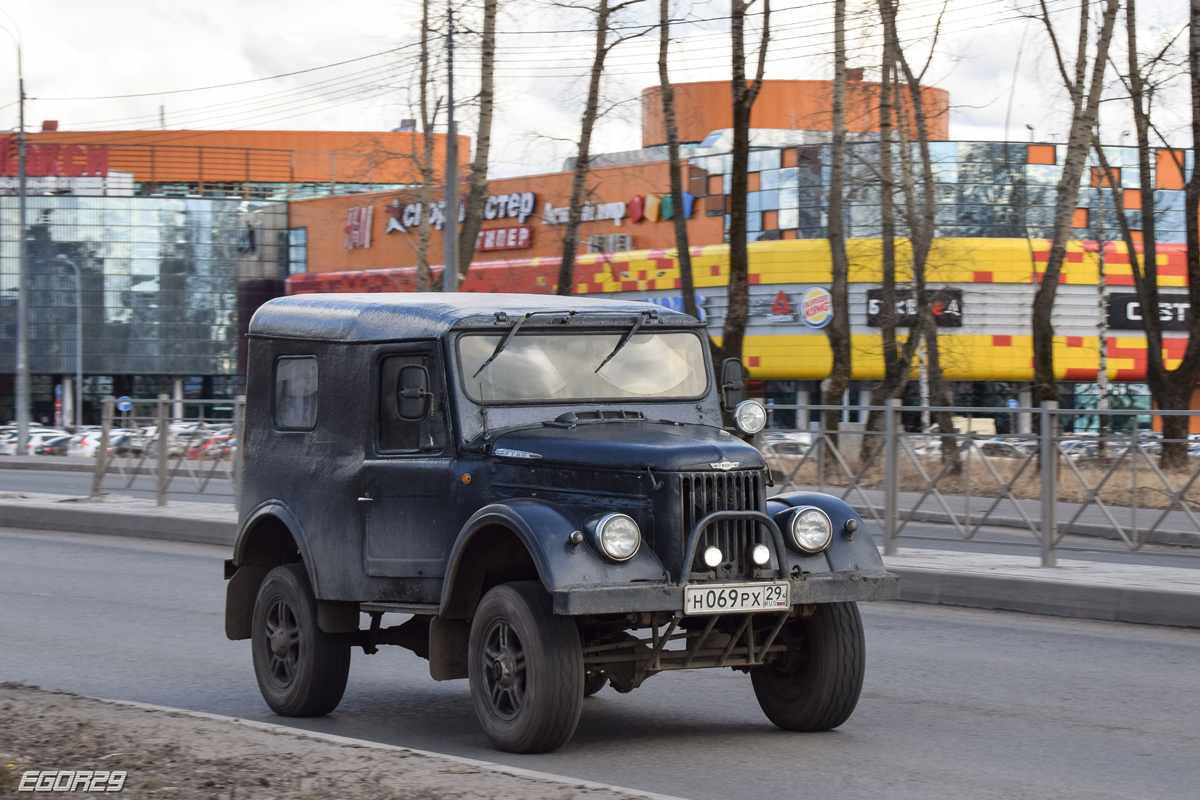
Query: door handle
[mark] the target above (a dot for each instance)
(366, 498)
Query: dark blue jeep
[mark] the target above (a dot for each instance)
(543, 487)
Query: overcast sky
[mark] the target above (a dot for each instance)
(987, 57)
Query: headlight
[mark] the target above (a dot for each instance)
(618, 536)
(811, 529)
(750, 416)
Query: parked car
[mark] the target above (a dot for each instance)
(546, 495)
(994, 449)
(53, 447)
(129, 444)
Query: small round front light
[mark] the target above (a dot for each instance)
(619, 536)
(760, 554)
(811, 530)
(713, 556)
(750, 416)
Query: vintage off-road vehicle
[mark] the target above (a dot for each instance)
(543, 485)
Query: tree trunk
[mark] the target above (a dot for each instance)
(424, 278)
(682, 252)
(1188, 371)
(734, 331)
(838, 331)
(478, 183)
(1084, 101)
(566, 270)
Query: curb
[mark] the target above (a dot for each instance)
(93, 518)
(489, 766)
(1050, 597)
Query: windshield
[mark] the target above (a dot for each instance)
(559, 367)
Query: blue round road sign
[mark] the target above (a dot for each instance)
(124, 404)
(1012, 404)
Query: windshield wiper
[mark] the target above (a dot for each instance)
(637, 323)
(503, 344)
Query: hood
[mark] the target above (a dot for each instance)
(634, 445)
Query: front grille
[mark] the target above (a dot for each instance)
(706, 492)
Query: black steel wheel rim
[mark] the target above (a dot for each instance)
(504, 670)
(281, 636)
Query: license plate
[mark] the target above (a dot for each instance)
(735, 598)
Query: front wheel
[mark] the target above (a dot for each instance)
(301, 670)
(815, 685)
(526, 669)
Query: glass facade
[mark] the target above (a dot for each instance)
(982, 190)
(167, 286)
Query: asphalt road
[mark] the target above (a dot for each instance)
(958, 703)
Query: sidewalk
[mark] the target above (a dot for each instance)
(1083, 589)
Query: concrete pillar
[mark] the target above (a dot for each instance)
(68, 401)
(802, 413)
(177, 396)
(1025, 420)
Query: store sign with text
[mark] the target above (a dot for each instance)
(1125, 311)
(946, 305)
(592, 212)
(518, 237)
(55, 160)
(406, 217)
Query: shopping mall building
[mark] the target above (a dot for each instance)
(184, 234)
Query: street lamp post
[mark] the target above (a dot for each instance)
(22, 399)
(78, 338)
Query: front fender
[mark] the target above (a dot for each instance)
(545, 530)
(855, 554)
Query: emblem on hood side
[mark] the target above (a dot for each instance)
(506, 453)
(725, 465)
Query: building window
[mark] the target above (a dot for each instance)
(296, 393)
(297, 250)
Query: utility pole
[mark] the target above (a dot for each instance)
(22, 398)
(450, 227)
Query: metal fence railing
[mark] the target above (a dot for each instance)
(185, 446)
(1057, 472)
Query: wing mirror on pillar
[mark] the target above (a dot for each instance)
(732, 386)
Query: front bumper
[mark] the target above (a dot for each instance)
(834, 587)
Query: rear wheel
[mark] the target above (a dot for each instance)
(526, 669)
(301, 670)
(815, 685)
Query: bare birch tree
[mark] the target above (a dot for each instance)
(1085, 94)
(606, 40)
(683, 253)
(838, 330)
(477, 179)
(744, 95)
(424, 278)
(1170, 389)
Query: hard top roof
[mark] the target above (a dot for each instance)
(398, 315)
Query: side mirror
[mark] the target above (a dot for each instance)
(412, 393)
(732, 387)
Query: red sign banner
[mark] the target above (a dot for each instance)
(518, 237)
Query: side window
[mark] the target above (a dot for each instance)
(296, 393)
(398, 435)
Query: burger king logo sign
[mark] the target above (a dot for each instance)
(816, 307)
